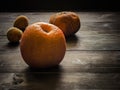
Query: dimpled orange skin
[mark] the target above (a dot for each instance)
(42, 45)
(68, 22)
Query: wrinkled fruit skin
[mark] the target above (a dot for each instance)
(68, 22)
(42, 45)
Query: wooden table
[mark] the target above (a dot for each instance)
(92, 59)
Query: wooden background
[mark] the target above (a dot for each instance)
(92, 59)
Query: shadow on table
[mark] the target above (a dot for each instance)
(12, 45)
(46, 79)
(72, 41)
(56, 69)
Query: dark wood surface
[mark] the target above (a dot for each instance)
(92, 59)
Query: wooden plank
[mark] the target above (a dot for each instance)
(7, 19)
(60, 81)
(84, 16)
(99, 31)
(82, 41)
(85, 40)
(74, 61)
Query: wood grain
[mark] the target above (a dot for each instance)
(74, 61)
(92, 59)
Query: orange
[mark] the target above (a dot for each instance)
(43, 45)
(68, 22)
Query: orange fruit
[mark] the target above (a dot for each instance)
(14, 34)
(68, 22)
(21, 22)
(43, 45)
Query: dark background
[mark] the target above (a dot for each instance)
(53, 5)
